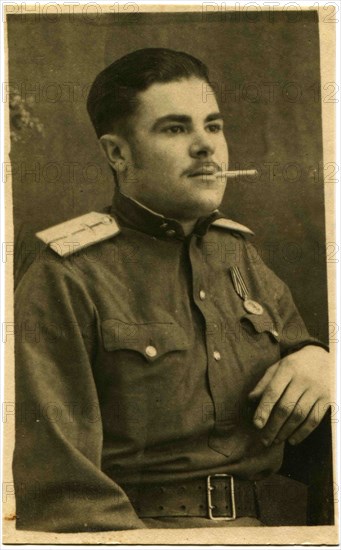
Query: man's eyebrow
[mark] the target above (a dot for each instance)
(184, 119)
(214, 116)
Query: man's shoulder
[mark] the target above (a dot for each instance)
(61, 247)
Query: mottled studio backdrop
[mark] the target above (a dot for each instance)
(266, 74)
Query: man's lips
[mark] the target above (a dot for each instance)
(204, 171)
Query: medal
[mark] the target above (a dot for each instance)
(251, 306)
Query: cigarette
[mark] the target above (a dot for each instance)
(237, 173)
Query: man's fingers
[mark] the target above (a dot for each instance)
(271, 395)
(263, 382)
(312, 421)
(293, 408)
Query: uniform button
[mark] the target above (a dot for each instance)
(202, 295)
(164, 225)
(170, 233)
(151, 351)
(216, 355)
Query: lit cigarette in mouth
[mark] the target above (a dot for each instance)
(237, 173)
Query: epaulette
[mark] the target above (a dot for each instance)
(68, 237)
(224, 223)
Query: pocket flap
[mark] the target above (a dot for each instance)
(150, 339)
(263, 323)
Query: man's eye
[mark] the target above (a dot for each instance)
(215, 128)
(174, 129)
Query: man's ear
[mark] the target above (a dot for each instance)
(116, 150)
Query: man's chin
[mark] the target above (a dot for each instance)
(200, 208)
(206, 203)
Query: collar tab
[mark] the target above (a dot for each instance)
(137, 216)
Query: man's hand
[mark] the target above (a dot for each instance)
(294, 396)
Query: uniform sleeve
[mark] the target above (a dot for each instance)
(293, 334)
(58, 480)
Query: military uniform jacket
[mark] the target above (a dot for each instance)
(134, 360)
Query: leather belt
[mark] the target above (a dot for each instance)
(218, 497)
(276, 500)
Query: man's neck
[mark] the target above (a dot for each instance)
(187, 225)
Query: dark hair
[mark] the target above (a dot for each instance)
(113, 95)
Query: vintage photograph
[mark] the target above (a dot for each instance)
(173, 361)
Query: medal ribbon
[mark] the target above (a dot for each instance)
(239, 283)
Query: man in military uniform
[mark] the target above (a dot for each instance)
(167, 367)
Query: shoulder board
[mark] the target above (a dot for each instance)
(68, 237)
(224, 223)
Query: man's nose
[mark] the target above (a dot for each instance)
(202, 145)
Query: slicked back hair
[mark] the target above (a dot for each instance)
(112, 99)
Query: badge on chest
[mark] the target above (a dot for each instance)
(251, 306)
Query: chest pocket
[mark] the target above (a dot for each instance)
(152, 340)
(256, 325)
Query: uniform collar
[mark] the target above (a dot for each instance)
(135, 215)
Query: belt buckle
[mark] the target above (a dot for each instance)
(210, 488)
